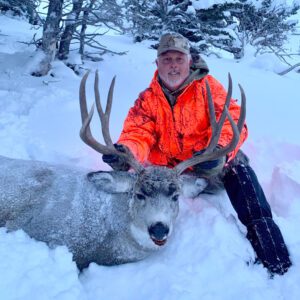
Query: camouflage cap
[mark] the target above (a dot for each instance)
(173, 41)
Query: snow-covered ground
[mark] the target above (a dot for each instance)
(208, 256)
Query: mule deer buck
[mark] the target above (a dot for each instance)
(103, 217)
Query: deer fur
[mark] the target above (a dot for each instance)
(98, 215)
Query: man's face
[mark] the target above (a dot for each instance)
(173, 68)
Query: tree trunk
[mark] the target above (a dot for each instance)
(71, 24)
(50, 36)
(84, 26)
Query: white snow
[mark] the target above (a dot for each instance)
(208, 256)
(204, 4)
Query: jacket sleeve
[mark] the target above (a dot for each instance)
(219, 95)
(138, 132)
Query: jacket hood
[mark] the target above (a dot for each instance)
(199, 68)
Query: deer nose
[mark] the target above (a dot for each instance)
(158, 231)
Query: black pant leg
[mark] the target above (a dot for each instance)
(250, 203)
(246, 194)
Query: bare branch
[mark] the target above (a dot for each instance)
(289, 69)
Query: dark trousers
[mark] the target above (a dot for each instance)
(253, 210)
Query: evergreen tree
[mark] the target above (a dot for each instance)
(266, 27)
(228, 26)
(148, 19)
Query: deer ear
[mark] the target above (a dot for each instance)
(112, 182)
(192, 186)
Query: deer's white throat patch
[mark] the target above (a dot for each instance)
(142, 238)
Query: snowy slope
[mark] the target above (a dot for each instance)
(208, 256)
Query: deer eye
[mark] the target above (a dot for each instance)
(140, 196)
(175, 198)
(172, 189)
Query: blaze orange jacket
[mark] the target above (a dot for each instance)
(159, 134)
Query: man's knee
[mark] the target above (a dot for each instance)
(245, 192)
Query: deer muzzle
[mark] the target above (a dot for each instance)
(158, 233)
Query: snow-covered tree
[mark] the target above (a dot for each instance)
(99, 14)
(51, 31)
(71, 23)
(147, 19)
(66, 23)
(21, 8)
(266, 27)
(229, 25)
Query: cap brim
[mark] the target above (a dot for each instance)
(161, 51)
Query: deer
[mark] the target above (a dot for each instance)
(105, 217)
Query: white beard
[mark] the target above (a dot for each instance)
(173, 81)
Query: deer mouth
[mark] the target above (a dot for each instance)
(158, 233)
(158, 242)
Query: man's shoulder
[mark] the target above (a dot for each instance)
(211, 80)
(207, 77)
(147, 93)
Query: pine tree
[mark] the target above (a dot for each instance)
(271, 26)
(228, 26)
(148, 19)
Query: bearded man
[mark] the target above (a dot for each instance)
(169, 123)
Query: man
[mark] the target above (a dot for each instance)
(169, 123)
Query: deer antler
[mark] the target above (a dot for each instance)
(211, 151)
(85, 131)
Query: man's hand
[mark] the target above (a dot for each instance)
(116, 162)
(209, 168)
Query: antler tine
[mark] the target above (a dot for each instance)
(82, 97)
(211, 153)
(236, 128)
(104, 117)
(242, 117)
(85, 131)
(217, 126)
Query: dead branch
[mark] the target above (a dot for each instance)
(289, 69)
